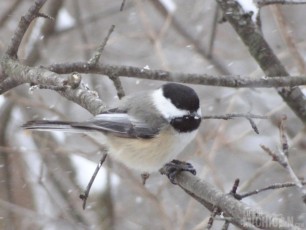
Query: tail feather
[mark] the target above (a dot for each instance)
(46, 125)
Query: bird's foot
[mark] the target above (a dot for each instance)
(172, 168)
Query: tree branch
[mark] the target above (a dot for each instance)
(185, 32)
(20, 74)
(96, 56)
(234, 81)
(263, 54)
(242, 215)
(23, 25)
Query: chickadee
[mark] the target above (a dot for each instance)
(146, 130)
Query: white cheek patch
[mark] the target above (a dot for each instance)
(165, 106)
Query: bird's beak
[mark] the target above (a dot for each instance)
(196, 116)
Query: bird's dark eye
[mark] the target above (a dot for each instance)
(187, 123)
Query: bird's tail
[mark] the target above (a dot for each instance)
(47, 125)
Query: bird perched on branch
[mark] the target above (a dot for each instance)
(145, 130)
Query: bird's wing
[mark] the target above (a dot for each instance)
(114, 121)
(118, 124)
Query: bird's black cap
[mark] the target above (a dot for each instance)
(182, 96)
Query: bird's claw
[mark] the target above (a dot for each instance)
(172, 168)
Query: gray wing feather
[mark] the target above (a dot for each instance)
(120, 124)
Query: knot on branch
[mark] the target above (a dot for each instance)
(72, 82)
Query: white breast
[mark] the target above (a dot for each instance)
(149, 155)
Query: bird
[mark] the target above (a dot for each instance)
(144, 130)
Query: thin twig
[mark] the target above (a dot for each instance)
(22, 27)
(95, 58)
(253, 125)
(95, 17)
(282, 159)
(212, 36)
(122, 5)
(270, 187)
(118, 85)
(262, 3)
(42, 15)
(85, 194)
(31, 56)
(235, 187)
(287, 36)
(283, 137)
(248, 116)
(216, 211)
(276, 156)
(285, 153)
(184, 31)
(282, 156)
(235, 115)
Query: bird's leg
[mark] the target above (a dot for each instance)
(172, 168)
